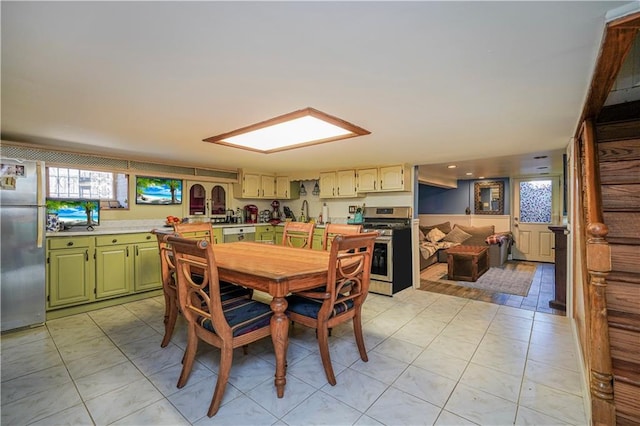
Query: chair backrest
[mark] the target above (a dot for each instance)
(199, 300)
(198, 231)
(349, 271)
(167, 266)
(298, 234)
(333, 229)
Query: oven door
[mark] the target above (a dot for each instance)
(382, 261)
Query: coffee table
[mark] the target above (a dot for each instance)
(467, 263)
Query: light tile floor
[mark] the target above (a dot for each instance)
(433, 359)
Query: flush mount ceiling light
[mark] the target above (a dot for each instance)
(294, 130)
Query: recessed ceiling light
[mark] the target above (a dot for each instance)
(451, 166)
(480, 177)
(469, 174)
(539, 157)
(293, 130)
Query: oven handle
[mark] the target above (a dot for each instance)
(383, 239)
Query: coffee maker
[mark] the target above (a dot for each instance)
(251, 213)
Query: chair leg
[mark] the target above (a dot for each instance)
(226, 358)
(189, 356)
(169, 322)
(323, 342)
(357, 330)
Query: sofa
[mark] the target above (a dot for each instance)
(436, 239)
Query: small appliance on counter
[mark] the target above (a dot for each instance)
(230, 216)
(265, 216)
(251, 213)
(288, 213)
(276, 216)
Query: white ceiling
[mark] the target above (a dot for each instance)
(435, 82)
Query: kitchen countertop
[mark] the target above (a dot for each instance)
(111, 229)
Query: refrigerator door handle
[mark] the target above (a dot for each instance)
(41, 209)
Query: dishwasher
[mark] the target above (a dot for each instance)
(244, 233)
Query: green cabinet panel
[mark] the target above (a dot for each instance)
(217, 236)
(114, 270)
(279, 232)
(147, 274)
(265, 233)
(70, 274)
(318, 233)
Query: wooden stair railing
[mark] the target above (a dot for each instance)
(618, 143)
(598, 264)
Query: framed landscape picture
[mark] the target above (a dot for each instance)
(158, 190)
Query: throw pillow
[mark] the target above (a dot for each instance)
(435, 235)
(422, 236)
(457, 235)
(444, 227)
(478, 231)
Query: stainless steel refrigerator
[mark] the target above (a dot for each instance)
(22, 253)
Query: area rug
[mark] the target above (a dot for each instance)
(511, 278)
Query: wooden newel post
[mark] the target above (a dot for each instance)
(601, 371)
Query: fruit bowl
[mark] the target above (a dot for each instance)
(172, 220)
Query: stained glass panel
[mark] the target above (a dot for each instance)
(535, 201)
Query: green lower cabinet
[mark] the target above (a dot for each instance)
(265, 233)
(279, 232)
(318, 233)
(147, 274)
(114, 270)
(217, 236)
(70, 276)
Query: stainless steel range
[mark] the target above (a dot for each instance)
(391, 266)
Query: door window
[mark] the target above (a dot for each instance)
(536, 197)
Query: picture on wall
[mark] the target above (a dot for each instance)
(157, 190)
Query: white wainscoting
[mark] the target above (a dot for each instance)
(502, 223)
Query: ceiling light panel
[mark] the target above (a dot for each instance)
(297, 129)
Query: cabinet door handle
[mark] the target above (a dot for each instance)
(127, 251)
(114, 241)
(86, 255)
(70, 243)
(137, 251)
(148, 237)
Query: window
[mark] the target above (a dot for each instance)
(110, 188)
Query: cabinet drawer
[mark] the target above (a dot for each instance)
(116, 239)
(68, 242)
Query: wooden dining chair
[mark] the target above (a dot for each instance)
(171, 311)
(195, 230)
(169, 290)
(333, 229)
(298, 234)
(225, 324)
(342, 298)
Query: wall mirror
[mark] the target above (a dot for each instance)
(489, 197)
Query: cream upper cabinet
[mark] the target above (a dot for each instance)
(327, 184)
(255, 185)
(285, 189)
(250, 185)
(339, 184)
(346, 183)
(383, 179)
(393, 178)
(268, 186)
(368, 179)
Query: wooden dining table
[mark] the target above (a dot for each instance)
(277, 270)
